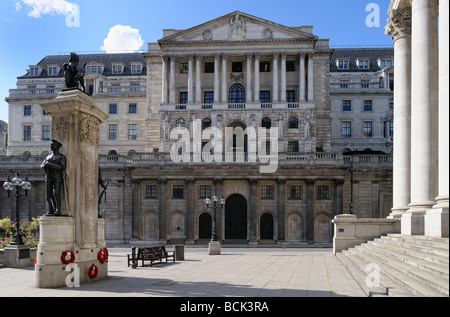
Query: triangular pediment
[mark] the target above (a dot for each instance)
(237, 26)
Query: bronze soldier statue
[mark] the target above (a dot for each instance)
(54, 166)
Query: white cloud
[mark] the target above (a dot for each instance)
(40, 7)
(122, 38)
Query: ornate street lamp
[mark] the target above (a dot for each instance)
(9, 186)
(208, 202)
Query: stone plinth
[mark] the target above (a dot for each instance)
(214, 248)
(75, 124)
(437, 222)
(17, 256)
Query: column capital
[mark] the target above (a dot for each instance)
(339, 181)
(399, 23)
(190, 180)
(218, 180)
(253, 180)
(310, 181)
(162, 180)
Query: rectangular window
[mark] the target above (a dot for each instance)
(293, 146)
(34, 71)
(236, 67)
(205, 191)
(364, 64)
(209, 67)
(367, 105)
(115, 88)
(290, 95)
(46, 133)
(346, 129)
(150, 192)
(290, 66)
(323, 192)
(343, 65)
(367, 129)
(132, 132)
(208, 97)
(53, 71)
(365, 84)
(136, 69)
(117, 69)
(177, 191)
(51, 89)
(183, 97)
(27, 133)
(113, 131)
(184, 68)
(264, 67)
(295, 192)
(346, 105)
(264, 96)
(267, 192)
(27, 111)
(344, 84)
(113, 108)
(135, 87)
(132, 108)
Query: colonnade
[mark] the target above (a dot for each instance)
(252, 77)
(421, 96)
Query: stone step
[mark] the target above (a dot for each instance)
(395, 279)
(438, 247)
(432, 264)
(409, 274)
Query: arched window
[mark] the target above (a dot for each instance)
(206, 123)
(112, 152)
(131, 152)
(237, 94)
(293, 123)
(181, 123)
(266, 123)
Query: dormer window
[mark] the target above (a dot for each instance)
(53, 70)
(34, 71)
(95, 69)
(342, 64)
(385, 63)
(117, 68)
(136, 68)
(363, 63)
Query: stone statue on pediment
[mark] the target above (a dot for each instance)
(73, 74)
(238, 28)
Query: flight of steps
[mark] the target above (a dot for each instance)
(408, 266)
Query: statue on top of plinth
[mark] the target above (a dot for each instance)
(54, 166)
(74, 75)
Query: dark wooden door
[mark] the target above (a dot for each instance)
(236, 217)
(266, 226)
(204, 226)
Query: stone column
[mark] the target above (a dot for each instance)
(249, 93)
(275, 97)
(251, 215)
(283, 77)
(220, 212)
(424, 114)
(198, 79)
(224, 78)
(281, 210)
(216, 79)
(190, 212)
(310, 210)
(172, 80)
(437, 219)
(164, 79)
(190, 79)
(162, 209)
(310, 77)
(302, 78)
(256, 85)
(399, 27)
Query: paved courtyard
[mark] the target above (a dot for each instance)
(237, 272)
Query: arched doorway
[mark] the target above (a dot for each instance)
(266, 226)
(236, 217)
(205, 226)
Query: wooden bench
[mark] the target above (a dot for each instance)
(149, 254)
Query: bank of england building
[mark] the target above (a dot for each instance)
(331, 109)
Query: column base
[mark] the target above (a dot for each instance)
(413, 223)
(214, 247)
(437, 222)
(397, 213)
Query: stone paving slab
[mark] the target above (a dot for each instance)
(237, 272)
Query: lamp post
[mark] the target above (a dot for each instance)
(214, 245)
(9, 185)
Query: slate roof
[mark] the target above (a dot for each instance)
(352, 54)
(106, 59)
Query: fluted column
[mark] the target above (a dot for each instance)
(424, 114)
(399, 27)
(302, 79)
(275, 97)
(224, 78)
(216, 79)
(283, 77)
(281, 209)
(310, 77)
(256, 86)
(198, 79)
(172, 80)
(165, 61)
(190, 212)
(249, 92)
(162, 209)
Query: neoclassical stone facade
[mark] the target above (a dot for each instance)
(240, 72)
(421, 112)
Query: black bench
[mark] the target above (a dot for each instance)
(149, 254)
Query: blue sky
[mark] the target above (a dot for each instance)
(32, 29)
